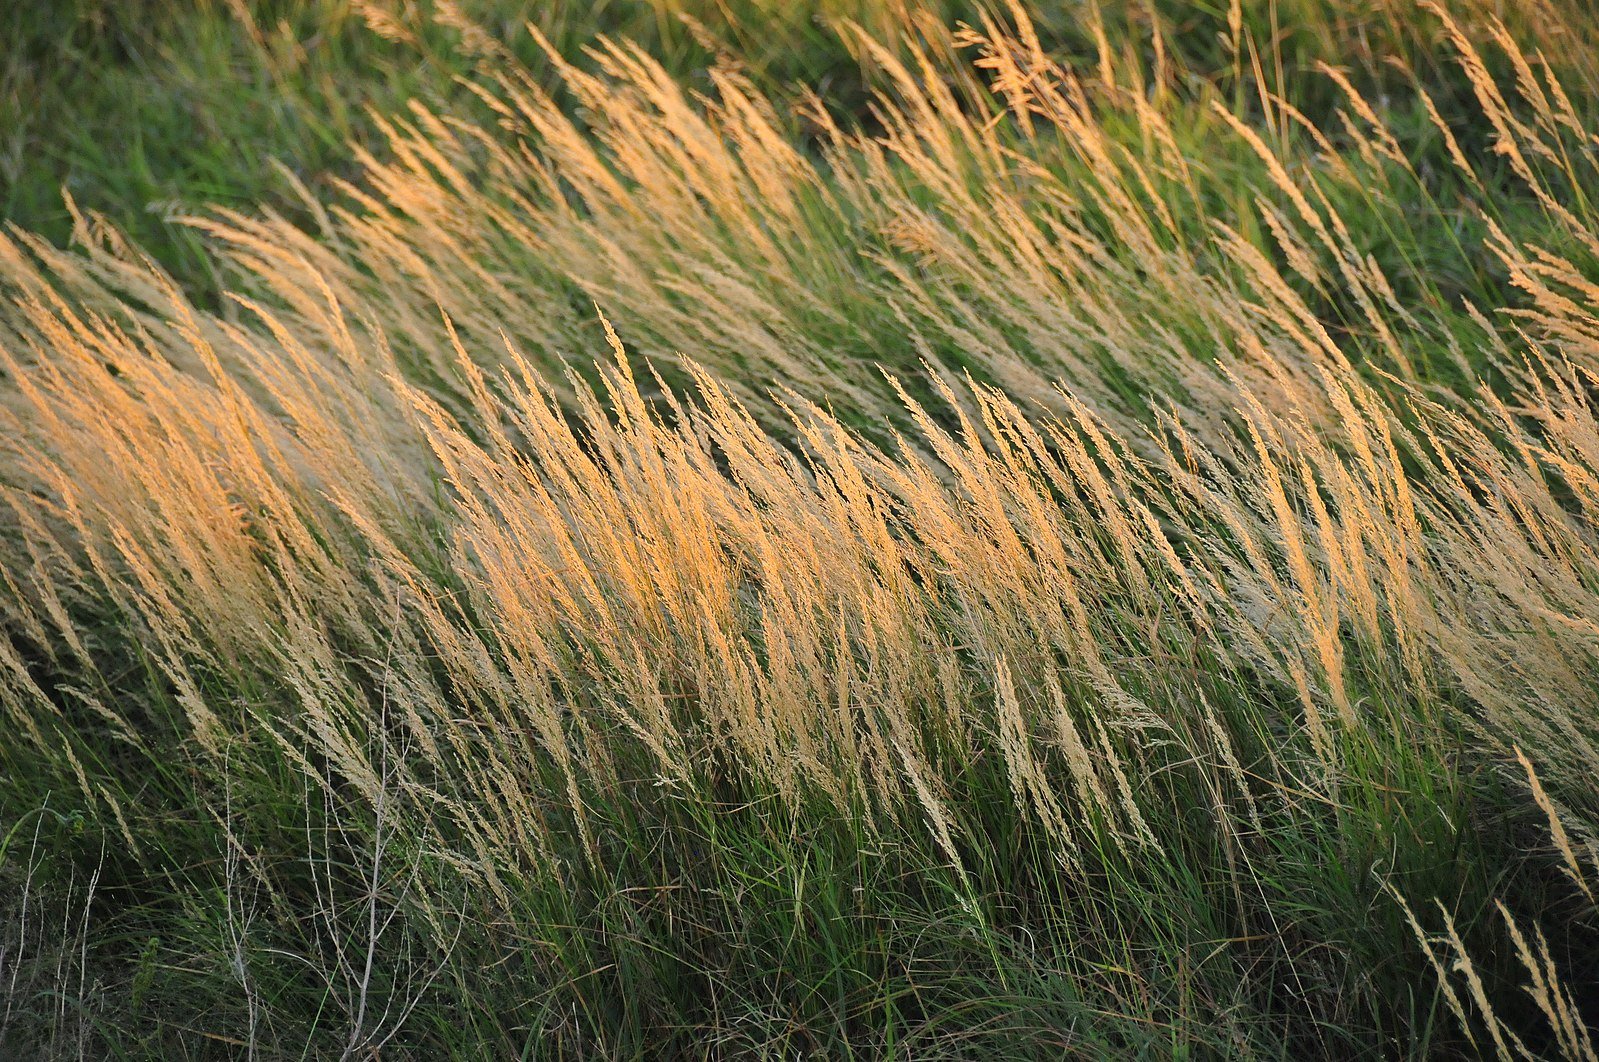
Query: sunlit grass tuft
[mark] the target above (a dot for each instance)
(1089, 555)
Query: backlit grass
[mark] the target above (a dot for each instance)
(897, 532)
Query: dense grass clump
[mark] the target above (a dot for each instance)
(760, 530)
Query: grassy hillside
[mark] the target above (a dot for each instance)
(713, 529)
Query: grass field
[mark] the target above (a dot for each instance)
(726, 528)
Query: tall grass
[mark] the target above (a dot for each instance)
(1095, 558)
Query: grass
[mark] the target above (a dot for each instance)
(950, 534)
(152, 109)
